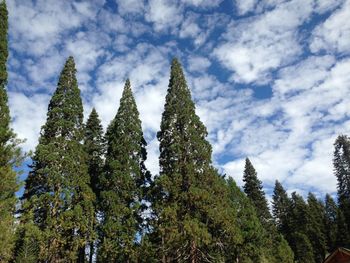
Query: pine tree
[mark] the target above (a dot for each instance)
(254, 190)
(299, 224)
(274, 242)
(302, 248)
(341, 162)
(281, 205)
(57, 189)
(10, 154)
(94, 144)
(253, 234)
(316, 230)
(343, 238)
(124, 183)
(192, 212)
(330, 223)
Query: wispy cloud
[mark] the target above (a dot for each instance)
(295, 53)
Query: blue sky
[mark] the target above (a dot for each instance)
(270, 78)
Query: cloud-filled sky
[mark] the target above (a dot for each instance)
(270, 78)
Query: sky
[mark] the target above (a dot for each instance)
(270, 78)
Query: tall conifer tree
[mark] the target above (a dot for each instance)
(124, 183)
(254, 190)
(9, 152)
(316, 230)
(57, 189)
(330, 223)
(251, 249)
(276, 246)
(343, 238)
(281, 206)
(94, 144)
(341, 162)
(299, 223)
(193, 213)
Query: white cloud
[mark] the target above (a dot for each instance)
(309, 72)
(198, 64)
(130, 6)
(164, 14)
(327, 5)
(244, 6)
(296, 146)
(333, 35)
(288, 136)
(255, 47)
(28, 115)
(203, 3)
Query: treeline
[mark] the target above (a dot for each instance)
(90, 198)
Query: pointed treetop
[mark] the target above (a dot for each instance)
(177, 77)
(93, 124)
(127, 100)
(3, 43)
(254, 190)
(93, 114)
(65, 107)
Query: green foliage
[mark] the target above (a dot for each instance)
(193, 216)
(281, 205)
(341, 162)
(254, 190)
(94, 145)
(275, 245)
(10, 153)
(302, 248)
(343, 239)
(253, 235)
(28, 242)
(281, 251)
(299, 222)
(57, 189)
(124, 183)
(330, 223)
(316, 230)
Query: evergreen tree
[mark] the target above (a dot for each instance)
(281, 205)
(316, 231)
(252, 246)
(299, 223)
(124, 183)
(302, 248)
(254, 190)
(10, 154)
(94, 144)
(274, 242)
(57, 189)
(341, 162)
(343, 239)
(193, 217)
(28, 241)
(330, 223)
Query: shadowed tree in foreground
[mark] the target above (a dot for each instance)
(10, 154)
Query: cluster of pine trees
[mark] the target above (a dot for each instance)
(90, 198)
